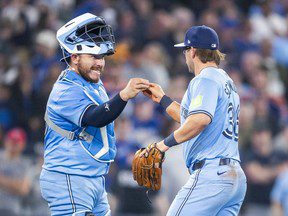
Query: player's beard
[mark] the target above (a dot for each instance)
(91, 74)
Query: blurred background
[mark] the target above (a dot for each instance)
(253, 34)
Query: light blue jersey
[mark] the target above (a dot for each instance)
(217, 183)
(70, 97)
(213, 93)
(279, 193)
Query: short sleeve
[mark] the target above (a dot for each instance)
(72, 104)
(204, 97)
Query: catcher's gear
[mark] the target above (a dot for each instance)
(147, 170)
(87, 34)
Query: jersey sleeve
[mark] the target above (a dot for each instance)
(204, 96)
(72, 104)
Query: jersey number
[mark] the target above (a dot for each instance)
(231, 132)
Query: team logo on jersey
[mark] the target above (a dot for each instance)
(106, 106)
(197, 101)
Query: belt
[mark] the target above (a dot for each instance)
(222, 161)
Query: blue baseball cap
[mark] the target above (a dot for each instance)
(202, 37)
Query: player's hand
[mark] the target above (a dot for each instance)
(160, 145)
(134, 86)
(154, 92)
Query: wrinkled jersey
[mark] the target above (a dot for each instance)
(70, 97)
(213, 93)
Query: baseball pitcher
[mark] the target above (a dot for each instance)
(209, 117)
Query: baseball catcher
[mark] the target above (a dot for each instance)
(147, 167)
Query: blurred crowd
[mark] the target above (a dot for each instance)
(253, 34)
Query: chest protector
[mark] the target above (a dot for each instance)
(99, 143)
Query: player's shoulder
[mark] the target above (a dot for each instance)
(210, 75)
(214, 75)
(67, 84)
(70, 78)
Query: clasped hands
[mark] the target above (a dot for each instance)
(136, 85)
(150, 90)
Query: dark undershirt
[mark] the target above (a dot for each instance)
(99, 116)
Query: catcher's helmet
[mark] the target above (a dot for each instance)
(87, 34)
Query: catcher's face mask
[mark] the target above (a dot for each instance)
(86, 34)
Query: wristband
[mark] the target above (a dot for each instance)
(165, 101)
(170, 141)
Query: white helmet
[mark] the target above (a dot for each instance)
(87, 34)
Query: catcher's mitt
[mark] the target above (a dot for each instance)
(147, 170)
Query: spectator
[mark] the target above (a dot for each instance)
(262, 165)
(14, 181)
(266, 23)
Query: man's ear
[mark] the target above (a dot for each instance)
(193, 53)
(75, 59)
